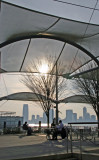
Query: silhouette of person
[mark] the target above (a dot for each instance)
(26, 127)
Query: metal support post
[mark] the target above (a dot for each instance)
(71, 138)
(67, 143)
(56, 94)
(80, 146)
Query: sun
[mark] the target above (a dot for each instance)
(44, 68)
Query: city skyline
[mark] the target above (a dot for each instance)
(35, 108)
(70, 116)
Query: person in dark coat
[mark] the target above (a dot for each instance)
(26, 127)
(59, 129)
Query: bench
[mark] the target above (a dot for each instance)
(49, 133)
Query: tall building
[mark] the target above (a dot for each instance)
(37, 118)
(74, 117)
(44, 117)
(33, 118)
(84, 114)
(25, 113)
(80, 119)
(51, 115)
(93, 118)
(88, 117)
(69, 115)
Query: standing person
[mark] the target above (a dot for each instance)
(58, 130)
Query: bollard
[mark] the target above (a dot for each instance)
(4, 128)
(39, 126)
(19, 126)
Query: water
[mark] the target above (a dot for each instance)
(80, 126)
(37, 125)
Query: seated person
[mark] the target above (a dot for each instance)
(26, 127)
(58, 130)
(53, 123)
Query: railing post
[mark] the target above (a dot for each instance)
(40, 126)
(80, 146)
(82, 137)
(67, 142)
(71, 138)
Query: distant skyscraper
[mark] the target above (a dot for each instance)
(69, 115)
(44, 117)
(93, 118)
(37, 118)
(80, 119)
(51, 115)
(88, 117)
(74, 117)
(25, 112)
(33, 118)
(84, 113)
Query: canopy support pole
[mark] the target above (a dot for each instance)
(56, 94)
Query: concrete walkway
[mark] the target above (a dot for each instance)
(21, 146)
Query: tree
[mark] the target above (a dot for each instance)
(88, 85)
(41, 80)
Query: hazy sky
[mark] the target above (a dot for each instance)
(13, 85)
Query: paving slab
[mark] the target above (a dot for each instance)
(21, 146)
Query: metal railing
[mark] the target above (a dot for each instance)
(82, 134)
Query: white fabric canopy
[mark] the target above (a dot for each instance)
(67, 29)
(19, 22)
(29, 96)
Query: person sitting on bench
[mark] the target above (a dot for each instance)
(26, 127)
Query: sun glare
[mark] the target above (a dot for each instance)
(43, 68)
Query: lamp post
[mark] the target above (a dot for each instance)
(48, 106)
(97, 96)
(97, 93)
(56, 94)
